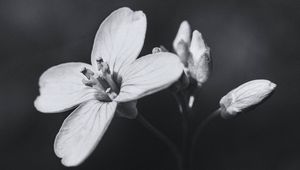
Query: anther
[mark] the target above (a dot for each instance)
(87, 72)
(99, 63)
(100, 60)
(105, 68)
(101, 80)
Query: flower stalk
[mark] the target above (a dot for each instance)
(198, 131)
(173, 148)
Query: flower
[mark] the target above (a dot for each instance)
(112, 83)
(194, 54)
(245, 97)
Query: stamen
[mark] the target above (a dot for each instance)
(87, 72)
(103, 83)
(105, 76)
(99, 63)
(89, 83)
(100, 60)
(112, 95)
(101, 80)
(112, 84)
(105, 68)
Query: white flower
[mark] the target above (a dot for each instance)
(113, 83)
(194, 54)
(245, 96)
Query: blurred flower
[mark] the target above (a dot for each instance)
(113, 83)
(194, 54)
(245, 97)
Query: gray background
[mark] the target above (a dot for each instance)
(248, 40)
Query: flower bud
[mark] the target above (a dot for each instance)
(195, 56)
(245, 97)
(182, 40)
(156, 50)
(199, 64)
(159, 49)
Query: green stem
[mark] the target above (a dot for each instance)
(198, 131)
(164, 138)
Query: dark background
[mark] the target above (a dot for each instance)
(248, 40)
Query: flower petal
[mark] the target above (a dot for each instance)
(120, 38)
(245, 97)
(148, 75)
(198, 47)
(61, 88)
(183, 35)
(200, 62)
(182, 41)
(127, 109)
(82, 130)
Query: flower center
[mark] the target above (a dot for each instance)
(102, 81)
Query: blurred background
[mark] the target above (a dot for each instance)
(248, 40)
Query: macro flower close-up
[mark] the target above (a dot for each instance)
(154, 85)
(113, 83)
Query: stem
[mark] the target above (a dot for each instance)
(173, 148)
(180, 103)
(185, 140)
(198, 131)
(185, 111)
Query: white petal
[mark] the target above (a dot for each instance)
(82, 130)
(251, 93)
(148, 75)
(127, 109)
(198, 47)
(200, 63)
(61, 88)
(183, 35)
(246, 96)
(120, 38)
(182, 42)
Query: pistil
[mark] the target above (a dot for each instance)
(106, 75)
(102, 81)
